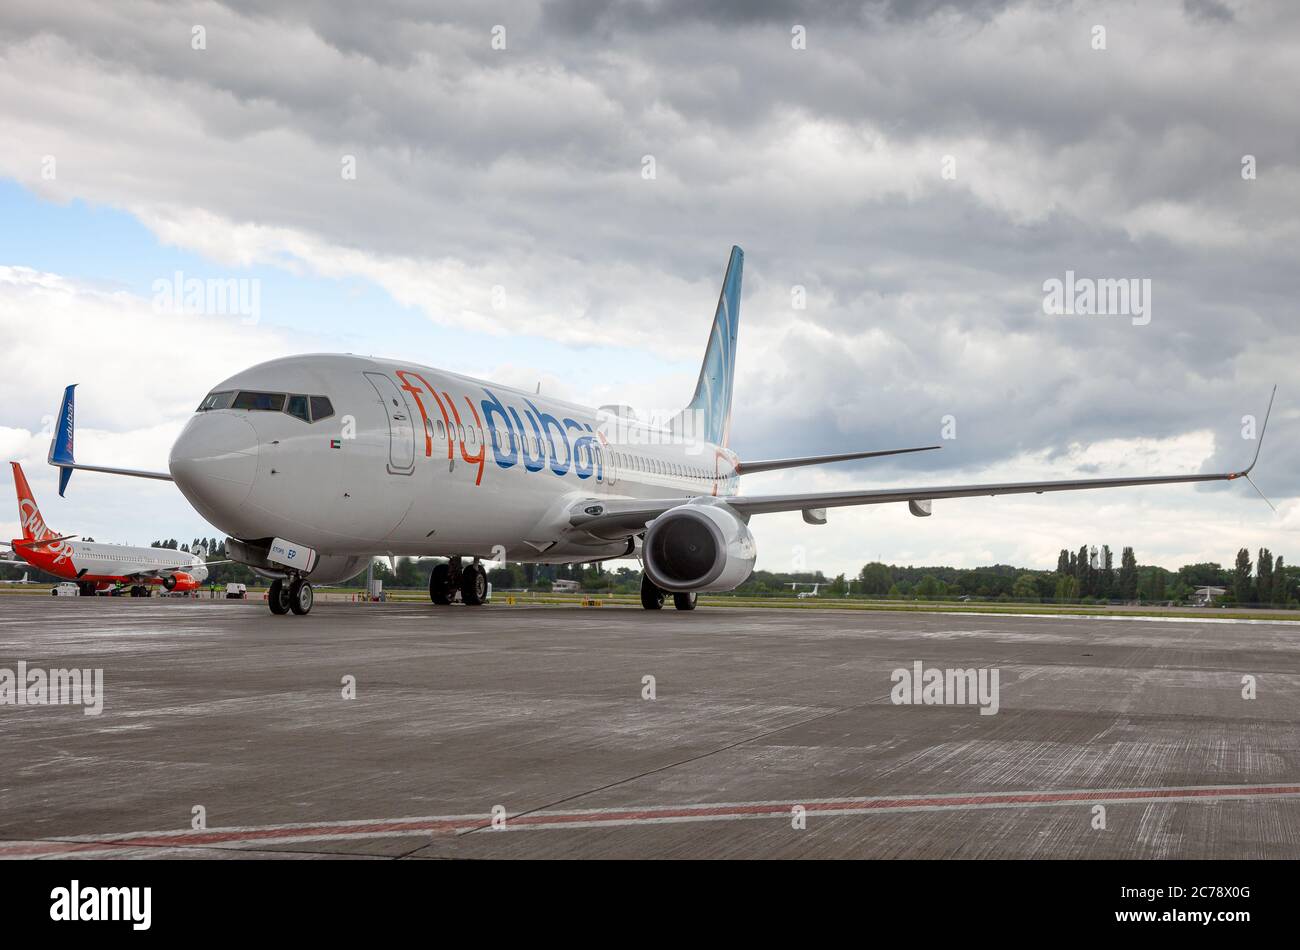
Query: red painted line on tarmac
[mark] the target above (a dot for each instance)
(876, 804)
(411, 827)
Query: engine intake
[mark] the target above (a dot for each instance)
(180, 581)
(698, 548)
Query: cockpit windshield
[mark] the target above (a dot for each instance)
(301, 406)
(216, 401)
(259, 402)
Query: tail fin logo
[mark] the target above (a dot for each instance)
(70, 429)
(29, 514)
(34, 527)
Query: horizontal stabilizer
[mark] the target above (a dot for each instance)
(772, 465)
(44, 541)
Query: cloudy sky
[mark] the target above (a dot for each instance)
(561, 209)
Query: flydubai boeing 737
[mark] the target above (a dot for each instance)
(95, 567)
(314, 464)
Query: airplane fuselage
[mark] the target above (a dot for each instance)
(313, 464)
(89, 562)
(408, 460)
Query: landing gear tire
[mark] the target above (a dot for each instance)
(684, 601)
(652, 598)
(301, 597)
(86, 589)
(473, 585)
(278, 596)
(440, 585)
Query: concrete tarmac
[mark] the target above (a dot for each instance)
(520, 732)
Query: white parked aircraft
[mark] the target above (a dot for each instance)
(314, 464)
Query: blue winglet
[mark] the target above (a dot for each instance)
(61, 448)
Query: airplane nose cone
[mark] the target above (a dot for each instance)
(214, 463)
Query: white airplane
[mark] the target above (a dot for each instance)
(314, 464)
(26, 575)
(804, 595)
(93, 566)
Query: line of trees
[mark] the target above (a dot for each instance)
(1089, 575)
(1085, 575)
(1272, 583)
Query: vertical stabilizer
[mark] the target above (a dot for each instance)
(29, 513)
(708, 416)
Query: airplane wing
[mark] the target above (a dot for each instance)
(600, 516)
(772, 465)
(165, 572)
(61, 445)
(608, 518)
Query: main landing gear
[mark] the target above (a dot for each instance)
(652, 597)
(453, 577)
(295, 595)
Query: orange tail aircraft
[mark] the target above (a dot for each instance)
(95, 567)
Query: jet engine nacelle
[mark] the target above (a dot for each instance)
(328, 569)
(698, 548)
(180, 581)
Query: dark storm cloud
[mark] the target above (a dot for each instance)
(925, 295)
(641, 15)
(1208, 9)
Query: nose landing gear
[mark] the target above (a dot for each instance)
(301, 597)
(294, 596)
(278, 597)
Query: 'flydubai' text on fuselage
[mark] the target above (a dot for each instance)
(562, 445)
